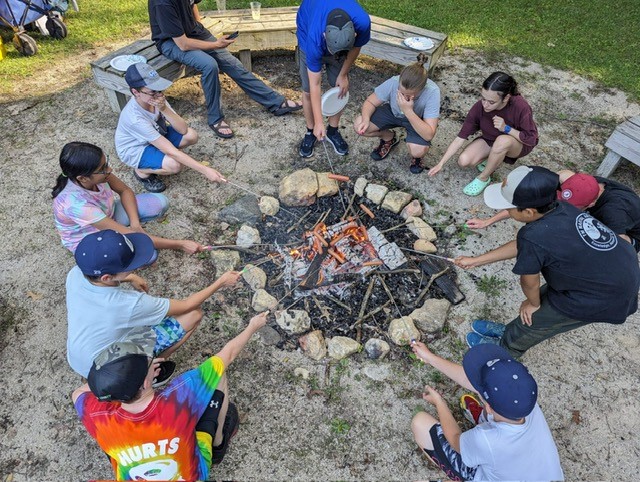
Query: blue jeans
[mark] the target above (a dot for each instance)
(210, 63)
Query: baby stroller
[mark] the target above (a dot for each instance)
(16, 14)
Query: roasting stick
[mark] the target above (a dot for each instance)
(333, 171)
(451, 260)
(257, 195)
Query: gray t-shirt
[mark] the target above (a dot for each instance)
(426, 105)
(503, 451)
(137, 128)
(99, 315)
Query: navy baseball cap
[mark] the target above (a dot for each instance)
(503, 382)
(339, 33)
(524, 187)
(142, 75)
(109, 252)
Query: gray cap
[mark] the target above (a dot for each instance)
(339, 33)
(142, 75)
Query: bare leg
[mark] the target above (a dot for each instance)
(223, 386)
(474, 153)
(417, 151)
(189, 139)
(307, 110)
(169, 166)
(504, 146)
(420, 426)
(334, 120)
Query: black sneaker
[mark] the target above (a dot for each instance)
(384, 148)
(167, 368)
(307, 145)
(229, 430)
(416, 166)
(152, 183)
(339, 144)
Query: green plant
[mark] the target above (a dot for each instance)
(491, 285)
(339, 426)
(436, 377)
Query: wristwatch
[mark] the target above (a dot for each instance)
(507, 128)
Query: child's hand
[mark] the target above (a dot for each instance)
(360, 125)
(138, 283)
(466, 262)
(435, 170)
(259, 321)
(190, 247)
(499, 123)
(477, 223)
(229, 278)
(432, 396)
(421, 351)
(214, 176)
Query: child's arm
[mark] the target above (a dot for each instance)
(455, 145)
(506, 251)
(180, 307)
(233, 348)
(450, 427)
(477, 223)
(369, 106)
(452, 370)
(164, 145)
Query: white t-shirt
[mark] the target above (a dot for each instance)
(100, 315)
(426, 105)
(503, 451)
(137, 128)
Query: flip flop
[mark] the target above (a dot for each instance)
(475, 187)
(221, 125)
(286, 108)
(482, 166)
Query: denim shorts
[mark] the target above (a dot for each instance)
(152, 156)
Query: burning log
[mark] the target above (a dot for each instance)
(448, 286)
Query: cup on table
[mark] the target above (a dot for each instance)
(222, 5)
(255, 10)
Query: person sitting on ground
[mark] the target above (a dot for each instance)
(330, 33)
(100, 311)
(615, 204)
(410, 100)
(175, 433)
(84, 203)
(590, 275)
(510, 440)
(179, 35)
(150, 134)
(508, 132)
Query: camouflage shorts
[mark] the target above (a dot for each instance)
(156, 339)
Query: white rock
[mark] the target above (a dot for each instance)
(376, 348)
(340, 347)
(394, 201)
(313, 345)
(263, 301)
(326, 186)
(424, 246)
(421, 229)
(432, 315)
(299, 188)
(414, 208)
(378, 372)
(247, 236)
(301, 372)
(376, 192)
(224, 260)
(402, 331)
(359, 186)
(254, 276)
(269, 205)
(293, 321)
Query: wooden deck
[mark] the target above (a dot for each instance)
(623, 143)
(276, 29)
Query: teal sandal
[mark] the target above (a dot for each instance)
(482, 166)
(475, 187)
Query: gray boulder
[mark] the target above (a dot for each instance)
(244, 211)
(376, 349)
(340, 347)
(432, 315)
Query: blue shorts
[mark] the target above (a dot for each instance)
(152, 156)
(168, 333)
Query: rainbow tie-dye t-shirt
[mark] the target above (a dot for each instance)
(159, 443)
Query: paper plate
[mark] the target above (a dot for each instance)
(419, 43)
(331, 103)
(122, 62)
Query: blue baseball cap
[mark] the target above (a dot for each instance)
(109, 252)
(143, 75)
(501, 380)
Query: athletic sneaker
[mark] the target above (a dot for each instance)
(152, 183)
(471, 407)
(229, 430)
(488, 328)
(339, 144)
(474, 339)
(307, 145)
(167, 368)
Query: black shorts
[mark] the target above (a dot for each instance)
(383, 119)
(444, 455)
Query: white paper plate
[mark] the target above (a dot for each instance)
(331, 103)
(122, 62)
(419, 43)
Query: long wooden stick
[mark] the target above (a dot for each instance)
(295, 225)
(339, 303)
(390, 295)
(431, 280)
(363, 307)
(346, 211)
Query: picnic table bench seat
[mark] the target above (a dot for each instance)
(623, 143)
(276, 29)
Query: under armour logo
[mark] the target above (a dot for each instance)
(214, 404)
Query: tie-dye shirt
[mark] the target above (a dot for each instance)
(161, 442)
(76, 209)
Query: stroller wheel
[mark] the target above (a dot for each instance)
(25, 44)
(56, 27)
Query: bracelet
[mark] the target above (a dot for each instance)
(507, 129)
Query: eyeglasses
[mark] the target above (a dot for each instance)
(106, 170)
(152, 93)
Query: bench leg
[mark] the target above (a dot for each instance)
(609, 164)
(117, 100)
(245, 58)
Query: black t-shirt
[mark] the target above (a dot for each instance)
(174, 18)
(591, 274)
(618, 207)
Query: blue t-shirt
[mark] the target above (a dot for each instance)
(311, 23)
(592, 275)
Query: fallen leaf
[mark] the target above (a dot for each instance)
(575, 417)
(34, 296)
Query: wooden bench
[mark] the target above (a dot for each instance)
(623, 143)
(276, 29)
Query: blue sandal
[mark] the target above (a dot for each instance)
(482, 166)
(475, 187)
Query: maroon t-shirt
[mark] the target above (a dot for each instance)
(517, 114)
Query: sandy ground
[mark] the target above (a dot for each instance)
(360, 430)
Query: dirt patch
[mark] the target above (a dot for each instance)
(349, 420)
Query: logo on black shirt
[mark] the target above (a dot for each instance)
(596, 234)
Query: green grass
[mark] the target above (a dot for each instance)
(584, 36)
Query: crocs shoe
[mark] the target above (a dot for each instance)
(488, 328)
(482, 166)
(471, 407)
(474, 339)
(475, 187)
(384, 148)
